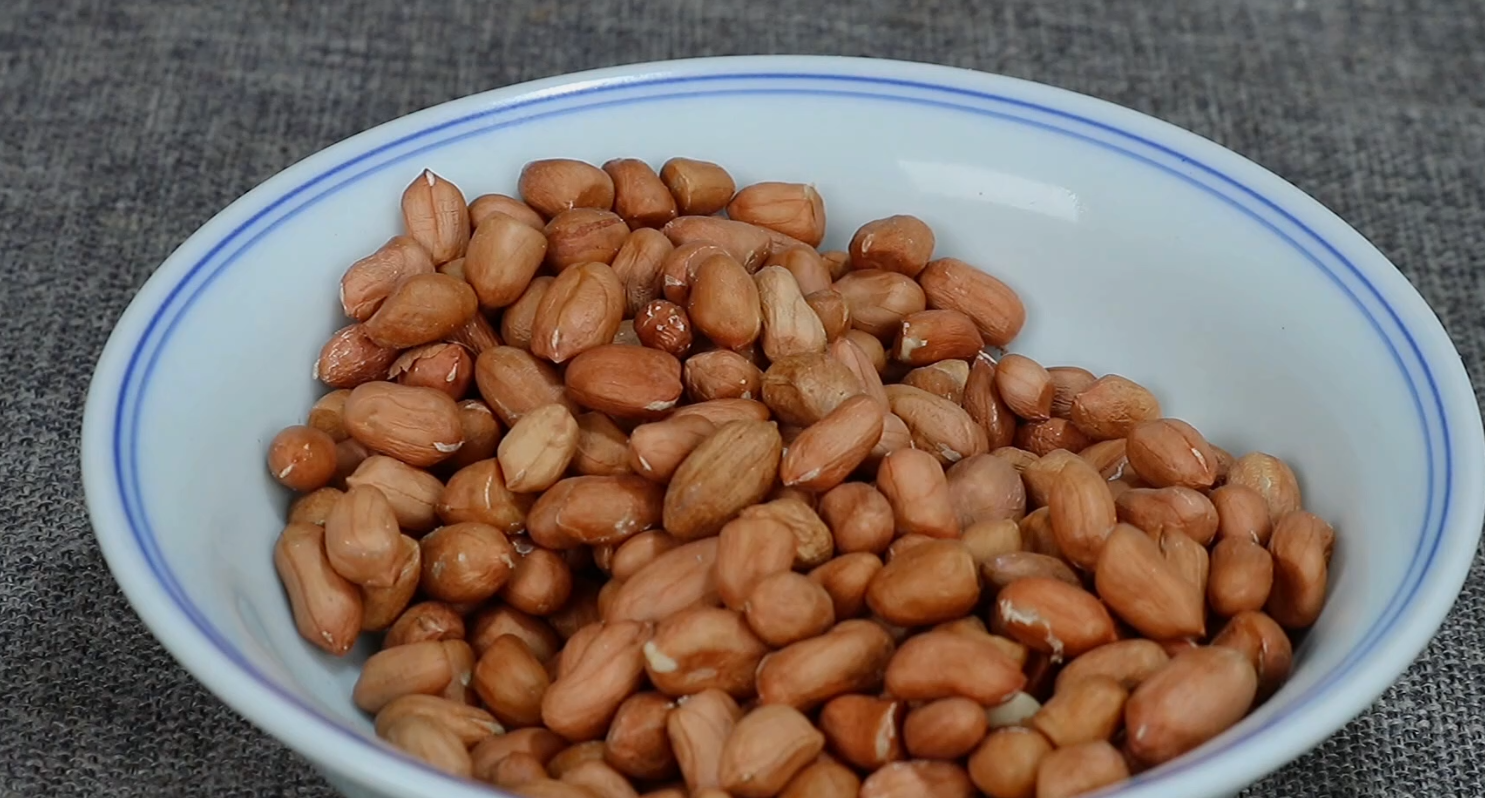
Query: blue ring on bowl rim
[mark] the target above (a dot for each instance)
(1005, 108)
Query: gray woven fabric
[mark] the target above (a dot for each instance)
(125, 124)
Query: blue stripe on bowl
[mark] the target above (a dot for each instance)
(588, 96)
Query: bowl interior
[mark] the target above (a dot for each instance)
(1131, 259)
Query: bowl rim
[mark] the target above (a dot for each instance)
(329, 743)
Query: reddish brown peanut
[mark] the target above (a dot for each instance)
(698, 728)
(1025, 387)
(640, 196)
(944, 729)
(794, 209)
(1242, 512)
(580, 310)
(829, 450)
(1301, 546)
(724, 303)
(984, 405)
(1111, 407)
(540, 584)
(700, 188)
(436, 216)
(936, 665)
(511, 681)
(1271, 478)
(327, 608)
(1082, 512)
(863, 730)
(477, 493)
(823, 779)
(302, 458)
(1053, 617)
(787, 607)
(554, 185)
(1084, 711)
(681, 577)
(880, 300)
(994, 306)
(846, 579)
(487, 205)
(430, 741)
(1266, 645)
(637, 744)
(419, 426)
(1128, 662)
(1175, 509)
(930, 583)
(765, 749)
(1005, 765)
(593, 511)
(1242, 574)
(985, 488)
(1079, 769)
(466, 562)
(901, 244)
(918, 491)
(428, 620)
(362, 539)
(1145, 591)
(918, 777)
(1169, 451)
(730, 470)
(849, 658)
(424, 668)
(859, 516)
(580, 703)
(657, 449)
(504, 255)
(1197, 696)
(703, 648)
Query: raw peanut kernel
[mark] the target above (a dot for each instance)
(794, 209)
(558, 184)
(724, 303)
(583, 235)
(932, 582)
(504, 255)
(303, 458)
(700, 188)
(664, 325)
(372, 279)
(327, 608)
(1169, 451)
(765, 749)
(1025, 387)
(579, 311)
(829, 450)
(1053, 617)
(423, 309)
(436, 216)
(1193, 699)
(625, 381)
(487, 205)
(929, 336)
(536, 451)
(902, 244)
(956, 285)
(880, 300)
(747, 244)
(640, 197)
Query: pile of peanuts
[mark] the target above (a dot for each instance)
(642, 498)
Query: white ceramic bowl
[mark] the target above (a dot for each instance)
(1139, 248)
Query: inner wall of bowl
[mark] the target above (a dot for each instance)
(1125, 267)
